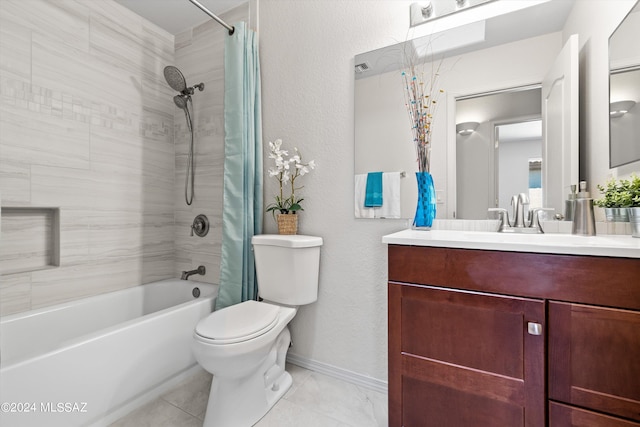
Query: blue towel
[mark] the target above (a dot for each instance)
(373, 192)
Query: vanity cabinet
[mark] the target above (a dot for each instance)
(493, 338)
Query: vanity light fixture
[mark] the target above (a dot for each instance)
(427, 11)
(620, 108)
(466, 128)
(431, 9)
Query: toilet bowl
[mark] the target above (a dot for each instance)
(247, 361)
(245, 345)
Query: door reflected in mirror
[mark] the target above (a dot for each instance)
(503, 156)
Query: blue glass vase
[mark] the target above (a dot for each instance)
(426, 208)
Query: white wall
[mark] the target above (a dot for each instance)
(307, 54)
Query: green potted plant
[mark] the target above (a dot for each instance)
(633, 189)
(615, 201)
(621, 201)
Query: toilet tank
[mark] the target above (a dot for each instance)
(287, 267)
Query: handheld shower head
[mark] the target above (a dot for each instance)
(181, 101)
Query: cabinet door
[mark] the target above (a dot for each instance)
(567, 416)
(461, 358)
(594, 358)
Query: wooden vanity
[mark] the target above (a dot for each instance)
(512, 338)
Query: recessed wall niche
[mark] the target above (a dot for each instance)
(29, 239)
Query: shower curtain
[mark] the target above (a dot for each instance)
(242, 201)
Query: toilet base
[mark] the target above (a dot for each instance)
(242, 402)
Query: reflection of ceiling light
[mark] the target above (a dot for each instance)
(620, 108)
(466, 35)
(466, 128)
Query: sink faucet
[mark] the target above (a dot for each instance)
(519, 224)
(200, 270)
(518, 202)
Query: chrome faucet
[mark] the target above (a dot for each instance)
(518, 202)
(200, 270)
(519, 224)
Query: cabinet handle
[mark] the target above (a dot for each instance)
(534, 328)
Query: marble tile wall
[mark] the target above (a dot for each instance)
(86, 125)
(199, 54)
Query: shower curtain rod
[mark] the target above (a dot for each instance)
(218, 20)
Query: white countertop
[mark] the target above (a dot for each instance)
(605, 245)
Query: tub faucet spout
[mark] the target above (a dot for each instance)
(200, 270)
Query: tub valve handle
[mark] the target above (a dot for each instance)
(200, 226)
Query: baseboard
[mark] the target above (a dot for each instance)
(339, 373)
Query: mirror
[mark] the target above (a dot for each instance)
(624, 91)
(512, 51)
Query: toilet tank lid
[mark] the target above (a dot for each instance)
(288, 241)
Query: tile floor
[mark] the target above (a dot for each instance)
(314, 400)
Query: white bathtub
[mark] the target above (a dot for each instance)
(75, 363)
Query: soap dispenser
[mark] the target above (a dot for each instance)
(583, 217)
(570, 204)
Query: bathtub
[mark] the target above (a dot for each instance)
(73, 364)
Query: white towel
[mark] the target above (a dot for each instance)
(390, 196)
(360, 188)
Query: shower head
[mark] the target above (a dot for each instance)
(174, 77)
(181, 101)
(176, 80)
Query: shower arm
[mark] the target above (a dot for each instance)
(218, 20)
(191, 90)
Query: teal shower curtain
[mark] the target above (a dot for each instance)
(242, 201)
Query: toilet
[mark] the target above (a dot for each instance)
(245, 345)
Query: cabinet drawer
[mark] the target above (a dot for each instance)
(567, 416)
(594, 358)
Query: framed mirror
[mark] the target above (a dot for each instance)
(624, 91)
(513, 51)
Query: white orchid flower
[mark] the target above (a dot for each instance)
(273, 172)
(303, 169)
(312, 164)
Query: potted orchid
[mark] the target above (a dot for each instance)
(286, 170)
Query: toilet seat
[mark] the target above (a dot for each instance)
(238, 323)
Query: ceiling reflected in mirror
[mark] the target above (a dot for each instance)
(542, 18)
